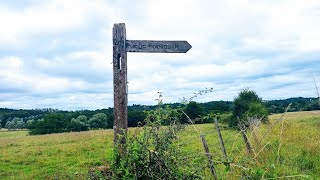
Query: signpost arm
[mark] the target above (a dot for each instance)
(120, 87)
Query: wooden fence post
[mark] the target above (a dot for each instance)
(246, 141)
(254, 125)
(120, 87)
(244, 136)
(223, 149)
(206, 148)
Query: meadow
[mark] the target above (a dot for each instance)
(288, 150)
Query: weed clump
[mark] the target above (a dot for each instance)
(151, 151)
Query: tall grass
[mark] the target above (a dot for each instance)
(71, 155)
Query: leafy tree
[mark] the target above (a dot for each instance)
(16, 119)
(82, 118)
(247, 104)
(257, 109)
(9, 119)
(217, 107)
(19, 124)
(29, 123)
(98, 121)
(16, 123)
(110, 120)
(52, 123)
(1, 121)
(134, 117)
(193, 110)
(79, 124)
(9, 125)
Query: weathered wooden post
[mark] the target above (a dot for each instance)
(120, 86)
(120, 48)
(206, 149)
(223, 149)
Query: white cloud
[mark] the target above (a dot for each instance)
(58, 53)
(48, 17)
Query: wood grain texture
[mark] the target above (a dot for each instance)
(151, 46)
(120, 86)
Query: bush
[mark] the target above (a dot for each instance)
(151, 152)
(225, 118)
(247, 104)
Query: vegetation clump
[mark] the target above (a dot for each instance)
(58, 123)
(247, 104)
(151, 149)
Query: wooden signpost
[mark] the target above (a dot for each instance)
(120, 48)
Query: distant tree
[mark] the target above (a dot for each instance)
(257, 109)
(110, 120)
(79, 124)
(98, 120)
(217, 107)
(29, 123)
(52, 123)
(16, 119)
(193, 110)
(20, 125)
(9, 119)
(82, 118)
(247, 104)
(1, 121)
(272, 108)
(134, 117)
(10, 125)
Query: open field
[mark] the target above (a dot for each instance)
(70, 155)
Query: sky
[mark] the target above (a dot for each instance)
(58, 53)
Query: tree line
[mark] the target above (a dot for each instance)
(44, 121)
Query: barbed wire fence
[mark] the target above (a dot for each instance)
(206, 152)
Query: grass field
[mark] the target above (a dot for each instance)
(70, 155)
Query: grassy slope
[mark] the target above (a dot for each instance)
(72, 154)
(8, 134)
(67, 154)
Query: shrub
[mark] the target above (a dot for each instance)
(151, 152)
(225, 118)
(247, 104)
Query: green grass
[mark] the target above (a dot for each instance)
(43, 157)
(70, 155)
